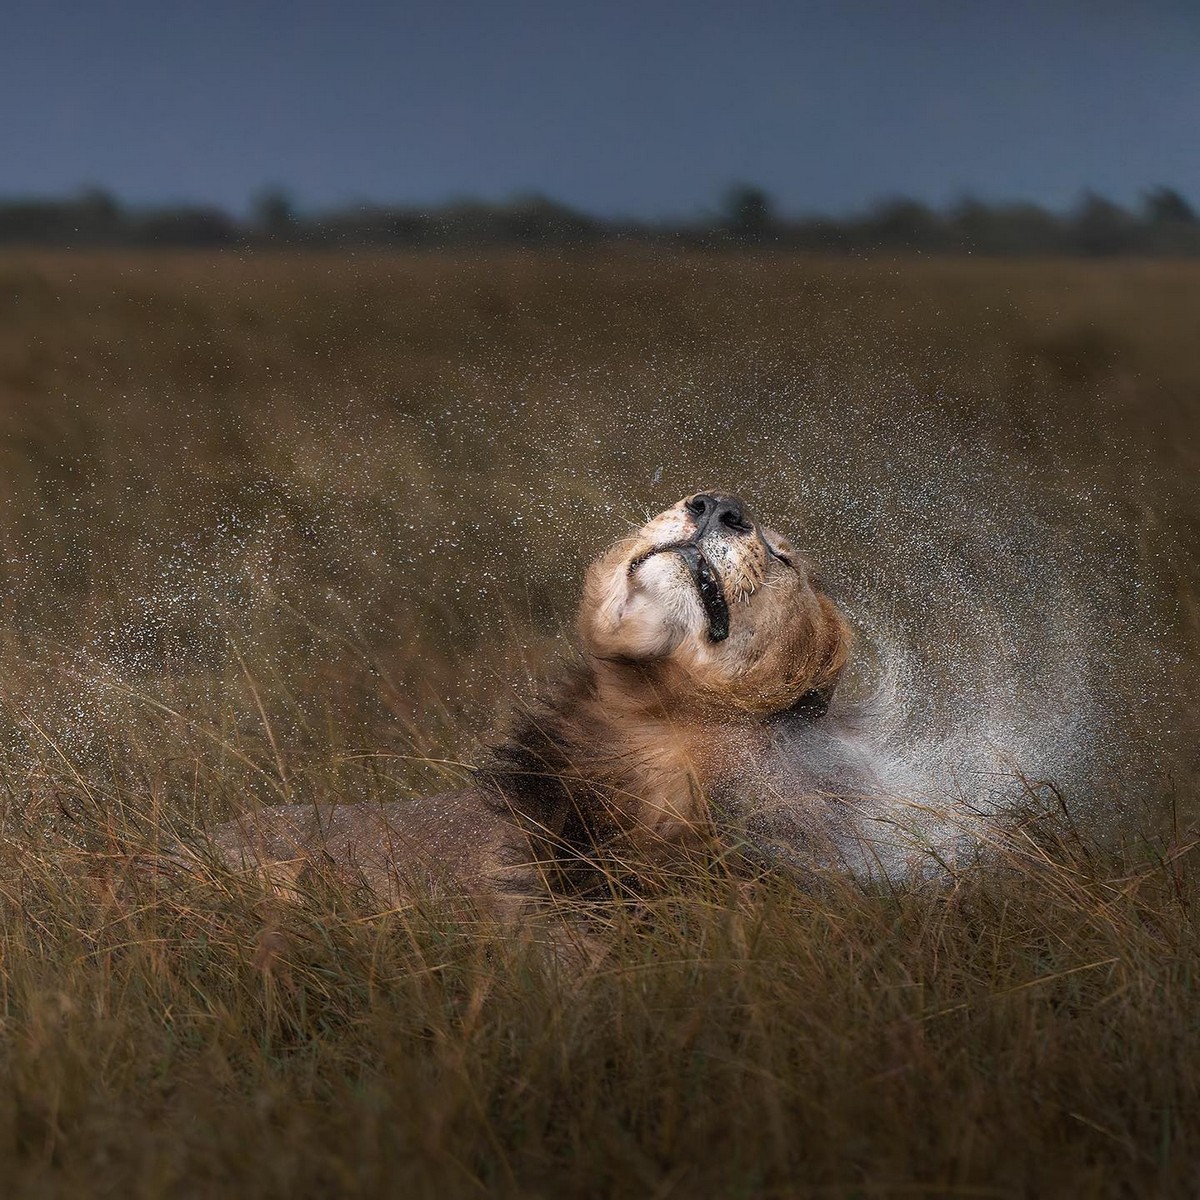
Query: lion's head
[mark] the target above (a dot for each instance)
(714, 610)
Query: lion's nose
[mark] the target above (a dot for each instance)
(711, 511)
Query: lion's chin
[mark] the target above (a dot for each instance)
(705, 577)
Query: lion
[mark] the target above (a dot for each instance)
(700, 637)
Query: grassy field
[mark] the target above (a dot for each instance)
(307, 527)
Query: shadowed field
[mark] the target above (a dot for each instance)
(292, 528)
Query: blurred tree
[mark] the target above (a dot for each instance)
(38, 221)
(906, 224)
(1170, 224)
(99, 216)
(99, 204)
(534, 219)
(274, 213)
(1005, 229)
(748, 213)
(187, 225)
(1165, 206)
(1102, 227)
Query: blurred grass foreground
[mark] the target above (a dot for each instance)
(305, 527)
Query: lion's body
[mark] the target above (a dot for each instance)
(583, 791)
(677, 697)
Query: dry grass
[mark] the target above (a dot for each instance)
(300, 527)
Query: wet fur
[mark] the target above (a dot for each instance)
(608, 777)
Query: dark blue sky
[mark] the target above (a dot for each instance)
(617, 106)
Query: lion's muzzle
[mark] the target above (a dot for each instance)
(718, 524)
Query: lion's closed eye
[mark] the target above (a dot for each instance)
(779, 550)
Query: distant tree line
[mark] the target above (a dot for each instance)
(1164, 223)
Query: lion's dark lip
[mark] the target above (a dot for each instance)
(706, 579)
(708, 584)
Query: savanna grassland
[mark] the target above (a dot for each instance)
(304, 527)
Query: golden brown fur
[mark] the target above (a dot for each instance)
(693, 633)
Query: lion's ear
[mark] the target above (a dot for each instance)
(811, 705)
